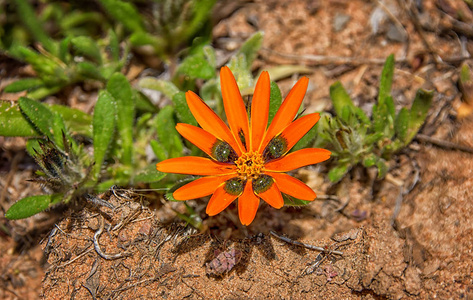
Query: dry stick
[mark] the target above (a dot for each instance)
(97, 245)
(329, 60)
(288, 240)
(443, 144)
(414, 16)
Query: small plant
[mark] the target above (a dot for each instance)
(355, 138)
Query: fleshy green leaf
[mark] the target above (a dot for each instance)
(210, 55)
(104, 122)
(167, 134)
(149, 174)
(32, 205)
(125, 13)
(23, 85)
(28, 16)
(275, 100)
(337, 173)
(89, 70)
(250, 48)
(119, 87)
(382, 168)
(159, 150)
(386, 80)
(196, 66)
(370, 160)
(12, 122)
(77, 121)
(418, 113)
(59, 130)
(182, 110)
(341, 101)
(86, 46)
(38, 114)
(292, 201)
(402, 124)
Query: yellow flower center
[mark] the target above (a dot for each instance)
(249, 165)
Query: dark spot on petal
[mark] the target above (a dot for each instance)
(276, 148)
(262, 183)
(234, 186)
(223, 152)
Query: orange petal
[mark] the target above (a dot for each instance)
(292, 186)
(194, 166)
(197, 136)
(247, 205)
(209, 120)
(234, 106)
(273, 196)
(219, 201)
(297, 129)
(200, 187)
(260, 110)
(288, 110)
(298, 159)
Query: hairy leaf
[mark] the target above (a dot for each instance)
(32, 205)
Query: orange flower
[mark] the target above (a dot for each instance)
(248, 160)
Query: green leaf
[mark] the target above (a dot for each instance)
(143, 38)
(210, 55)
(88, 70)
(196, 66)
(341, 101)
(59, 130)
(77, 121)
(418, 113)
(337, 173)
(370, 160)
(63, 52)
(113, 45)
(44, 91)
(23, 85)
(292, 201)
(275, 100)
(159, 150)
(119, 87)
(250, 48)
(182, 110)
(125, 13)
(32, 205)
(38, 114)
(104, 122)
(164, 86)
(401, 124)
(148, 175)
(28, 16)
(382, 168)
(143, 103)
(86, 46)
(12, 122)
(386, 80)
(167, 134)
